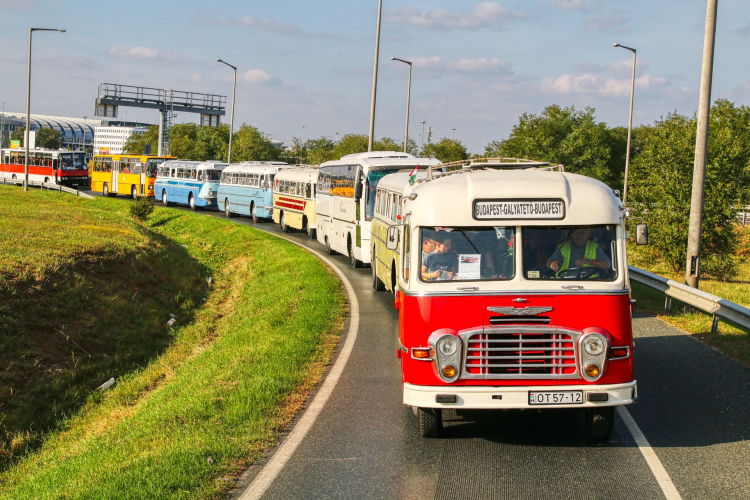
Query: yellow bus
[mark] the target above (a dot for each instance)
(294, 199)
(392, 191)
(131, 175)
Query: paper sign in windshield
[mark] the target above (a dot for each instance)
(469, 266)
(519, 209)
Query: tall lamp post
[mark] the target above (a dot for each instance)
(28, 108)
(408, 99)
(630, 125)
(2, 128)
(231, 120)
(375, 79)
(421, 145)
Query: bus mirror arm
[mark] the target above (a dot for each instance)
(358, 185)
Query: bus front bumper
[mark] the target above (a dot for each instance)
(517, 397)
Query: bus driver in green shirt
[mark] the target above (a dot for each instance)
(580, 251)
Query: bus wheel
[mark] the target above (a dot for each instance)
(310, 232)
(46, 180)
(282, 223)
(599, 422)
(329, 250)
(252, 212)
(226, 208)
(377, 283)
(164, 199)
(134, 193)
(355, 262)
(191, 202)
(13, 176)
(105, 189)
(430, 422)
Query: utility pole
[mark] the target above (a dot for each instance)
(630, 124)
(692, 271)
(375, 79)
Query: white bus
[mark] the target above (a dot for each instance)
(294, 199)
(346, 199)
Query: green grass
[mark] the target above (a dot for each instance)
(729, 339)
(186, 423)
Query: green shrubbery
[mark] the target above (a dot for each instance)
(142, 208)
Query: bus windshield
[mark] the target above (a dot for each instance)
(373, 177)
(71, 161)
(572, 253)
(467, 254)
(152, 166)
(212, 175)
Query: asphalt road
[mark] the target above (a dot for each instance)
(694, 409)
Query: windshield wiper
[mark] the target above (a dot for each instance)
(467, 239)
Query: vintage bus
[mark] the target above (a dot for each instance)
(391, 193)
(192, 183)
(247, 188)
(294, 199)
(52, 166)
(524, 302)
(345, 201)
(131, 175)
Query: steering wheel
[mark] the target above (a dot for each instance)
(582, 275)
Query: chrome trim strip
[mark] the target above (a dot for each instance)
(626, 347)
(402, 348)
(519, 311)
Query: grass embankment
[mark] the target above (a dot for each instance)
(212, 394)
(728, 339)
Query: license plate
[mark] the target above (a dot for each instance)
(556, 398)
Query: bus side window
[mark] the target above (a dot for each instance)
(308, 190)
(406, 255)
(394, 208)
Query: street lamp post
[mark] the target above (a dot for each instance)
(421, 141)
(231, 120)
(28, 108)
(630, 125)
(2, 128)
(453, 135)
(408, 99)
(375, 79)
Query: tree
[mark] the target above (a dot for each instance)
(661, 186)
(249, 144)
(446, 150)
(137, 141)
(48, 138)
(18, 135)
(569, 137)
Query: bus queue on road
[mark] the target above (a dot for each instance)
(131, 175)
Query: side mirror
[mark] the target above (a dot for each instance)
(391, 240)
(358, 185)
(641, 234)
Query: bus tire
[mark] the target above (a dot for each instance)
(355, 262)
(599, 422)
(394, 281)
(282, 223)
(46, 180)
(191, 202)
(13, 176)
(329, 250)
(105, 189)
(227, 212)
(430, 422)
(252, 212)
(164, 199)
(377, 283)
(310, 232)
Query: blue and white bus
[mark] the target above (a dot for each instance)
(193, 183)
(247, 188)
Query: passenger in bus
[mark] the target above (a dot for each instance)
(440, 265)
(582, 252)
(428, 242)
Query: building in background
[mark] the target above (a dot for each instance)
(111, 140)
(77, 133)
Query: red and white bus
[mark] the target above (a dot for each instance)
(514, 294)
(53, 166)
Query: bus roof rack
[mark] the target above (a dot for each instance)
(501, 164)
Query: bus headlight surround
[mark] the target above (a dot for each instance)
(593, 346)
(447, 349)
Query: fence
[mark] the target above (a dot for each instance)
(720, 309)
(744, 216)
(46, 185)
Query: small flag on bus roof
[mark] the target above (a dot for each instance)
(413, 175)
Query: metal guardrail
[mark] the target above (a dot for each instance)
(47, 185)
(720, 309)
(744, 216)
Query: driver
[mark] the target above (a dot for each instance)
(580, 250)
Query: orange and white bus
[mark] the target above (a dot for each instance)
(131, 175)
(51, 166)
(294, 199)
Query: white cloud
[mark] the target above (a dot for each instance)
(600, 86)
(482, 15)
(570, 4)
(480, 65)
(260, 77)
(259, 24)
(133, 52)
(623, 68)
(615, 23)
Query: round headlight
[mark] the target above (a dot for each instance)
(592, 370)
(594, 345)
(448, 346)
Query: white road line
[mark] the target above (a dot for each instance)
(271, 470)
(667, 486)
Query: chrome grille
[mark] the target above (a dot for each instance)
(518, 352)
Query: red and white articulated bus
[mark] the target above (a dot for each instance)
(52, 166)
(514, 294)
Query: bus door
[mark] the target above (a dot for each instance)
(115, 176)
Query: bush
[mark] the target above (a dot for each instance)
(719, 267)
(142, 208)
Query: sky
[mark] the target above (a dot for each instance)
(305, 67)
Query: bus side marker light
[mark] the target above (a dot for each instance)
(397, 300)
(592, 370)
(618, 353)
(421, 353)
(449, 371)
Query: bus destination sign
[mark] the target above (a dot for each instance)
(519, 209)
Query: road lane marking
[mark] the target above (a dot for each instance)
(665, 482)
(276, 464)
